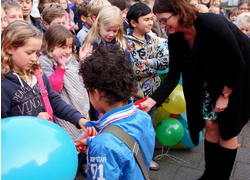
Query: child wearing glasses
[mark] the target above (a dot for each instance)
(147, 53)
(244, 6)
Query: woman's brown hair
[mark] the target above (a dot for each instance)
(186, 11)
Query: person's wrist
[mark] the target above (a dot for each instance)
(152, 102)
(83, 58)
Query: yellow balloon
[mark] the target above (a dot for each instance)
(175, 103)
(160, 114)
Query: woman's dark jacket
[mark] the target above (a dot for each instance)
(220, 56)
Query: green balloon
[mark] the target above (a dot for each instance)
(169, 132)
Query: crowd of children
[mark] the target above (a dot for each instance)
(118, 45)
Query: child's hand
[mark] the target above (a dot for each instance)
(81, 144)
(86, 52)
(44, 115)
(82, 123)
(84, 145)
(92, 131)
(58, 58)
(76, 27)
(144, 62)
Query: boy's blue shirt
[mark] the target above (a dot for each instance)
(108, 156)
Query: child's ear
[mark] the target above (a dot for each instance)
(83, 18)
(133, 23)
(97, 95)
(93, 18)
(46, 24)
(9, 50)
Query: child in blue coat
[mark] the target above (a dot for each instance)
(109, 79)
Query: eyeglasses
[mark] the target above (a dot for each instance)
(164, 21)
(244, 9)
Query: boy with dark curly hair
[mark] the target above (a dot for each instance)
(109, 79)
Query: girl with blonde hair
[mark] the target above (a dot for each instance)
(243, 23)
(107, 29)
(21, 43)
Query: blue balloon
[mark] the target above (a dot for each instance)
(186, 140)
(180, 81)
(34, 148)
(163, 71)
(183, 115)
(182, 120)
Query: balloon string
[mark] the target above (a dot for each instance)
(158, 157)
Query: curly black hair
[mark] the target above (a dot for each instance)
(108, 71)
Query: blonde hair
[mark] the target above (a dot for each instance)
(108, 16)
(56, 35)
(214, 9)
(95, 6)
(16, 35)
(201, 8)
(8, 4)
(243, 18)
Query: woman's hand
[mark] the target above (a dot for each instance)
(86, 52)
(58, 58)
(44, 115)
(221, 104)
(148, 104)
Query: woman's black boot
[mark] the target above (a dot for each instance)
(227, 158)
(211, 160)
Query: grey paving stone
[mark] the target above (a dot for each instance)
(242, 171)
(185, 173)
(184, 158)
(243, 155)
(246, 130)
(199, 148)
(246, 141)
(167, 171)
(240, 139)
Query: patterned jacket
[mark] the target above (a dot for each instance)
(156, 53)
